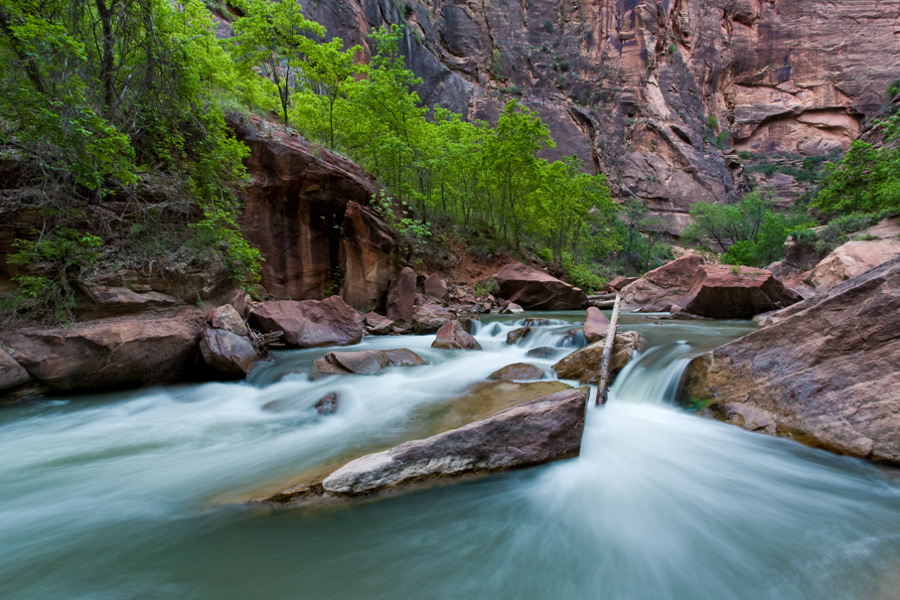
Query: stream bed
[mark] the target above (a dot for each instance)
(143, 494)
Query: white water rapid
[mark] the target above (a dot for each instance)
(138, 495)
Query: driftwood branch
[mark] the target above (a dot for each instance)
(264, 341)
(603, 388)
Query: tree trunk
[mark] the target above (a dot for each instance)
(603, 387)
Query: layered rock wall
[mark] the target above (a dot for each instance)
(657, 94)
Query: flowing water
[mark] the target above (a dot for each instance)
(138, 495)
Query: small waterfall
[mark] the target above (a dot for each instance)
(653, 376)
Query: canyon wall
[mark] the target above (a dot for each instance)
(671, 99)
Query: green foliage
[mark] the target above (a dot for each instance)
(548, 26)
(867, 179)
(712, 122)
(892, 90)
(581, 275)
(750, 232)
(483, 289)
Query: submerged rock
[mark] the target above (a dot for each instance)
(584, 364)
(363, 362)
(533, 433)
(823, 373)
(543, 352)
(518, 372)
(309, 323)
(535, 290)
(327, 404)
(452, 336)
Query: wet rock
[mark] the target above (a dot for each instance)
(535, 290)
(518, 372)
(230, 355)
(309, 323)
(227, 318)
(514, 336)
(725, 292)
(537, 322)
(468, 323)
(595, 325)
(435, 288)
(363, 362)
(543, 352)
(584, 364)
(539, 431)
(148, 348)
(663, 286)
(452, 336)
(401, 298)
(824, 372)
(378, 324)
(327, 404)
(12, 374)
(428, 318)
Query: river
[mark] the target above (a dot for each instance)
(141, 494)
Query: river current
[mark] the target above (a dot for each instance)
(142, 495)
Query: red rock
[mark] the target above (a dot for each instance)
(620, 282)
(435, 288)
(824, 374)
(512, 308)
(363, 362)
(225, 317)
(145, 349)
(369, 256)
(452, 336)
(378, 324)
(12, 374)
(428, 318)
(665, 285)
(584, 363)
(595, 325)
(535, 290)
(515, 335)
(849, 260)
(228, 354)
(309, 323)
(721, 293)
(401, 298)
(518, 372)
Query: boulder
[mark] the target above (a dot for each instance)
(377, 324)
(452, 336)
(514, 336)
(518, 372)
(533, 433)
(111, 300)
(328, 404)
(725, 292)
(12, 374)
(309, 323)
(512, 309)
(435, 288)
(401, 298)
(584, 364)
(228, 319)
(620, 282)
(428, 318)
(363, 362)
(230, 355)
(535, 290)
(595, 325)
(665, 285)
(849, 260)
(823, 373)
(144, 349)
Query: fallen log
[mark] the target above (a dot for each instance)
(603, 387)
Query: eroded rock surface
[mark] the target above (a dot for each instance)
(533, 433)
(824, 373)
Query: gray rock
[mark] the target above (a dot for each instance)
(533, 433)
(364, 362)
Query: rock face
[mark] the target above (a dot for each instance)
(401, 298)
(452, 336)
(152, 348)
(595, 325)
(584, 364)
(364, 362)
(12, 374)
(539, 431)
(665, 285)
(535, 290)
(825, 374)
(307, 213)
(725, 292)
(630, 87)
(228, 354)
(849, 260)
(309, 323)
